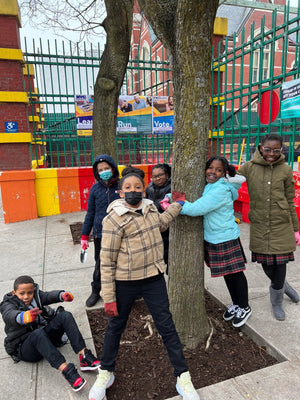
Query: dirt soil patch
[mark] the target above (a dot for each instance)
(76, 233)
(143, 370)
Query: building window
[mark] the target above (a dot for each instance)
(146, 79)
(265, 65)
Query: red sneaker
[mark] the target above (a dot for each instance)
(74, 379)
(88, 362)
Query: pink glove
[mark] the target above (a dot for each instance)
(67, 296)
(164, 203)
(297, 237)
(111, 309)
(84, 242)
(29, 316)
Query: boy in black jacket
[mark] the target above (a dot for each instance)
(34, 330)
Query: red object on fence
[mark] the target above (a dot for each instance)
(263, 107)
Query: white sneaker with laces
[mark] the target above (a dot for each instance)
(104, 380)
(185, 387)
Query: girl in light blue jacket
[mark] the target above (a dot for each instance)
(224, 254)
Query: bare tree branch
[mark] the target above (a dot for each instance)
(66, 16)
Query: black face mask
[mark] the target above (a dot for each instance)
(133, 198)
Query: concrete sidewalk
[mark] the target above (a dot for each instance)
(43, 248)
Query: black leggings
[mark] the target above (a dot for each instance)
(276, 273)
(96, 283)
(238, 288)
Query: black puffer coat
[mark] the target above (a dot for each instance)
(157, 193)
(12, 306)
(100, 196)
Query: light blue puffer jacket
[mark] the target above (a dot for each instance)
(216, 205)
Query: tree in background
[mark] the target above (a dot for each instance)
(82, 19)
(118, 26)
(185, 27)
(86, 19)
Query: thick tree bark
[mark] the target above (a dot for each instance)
(118, 26)
(186, 28)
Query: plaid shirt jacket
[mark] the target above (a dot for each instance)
(132, 246)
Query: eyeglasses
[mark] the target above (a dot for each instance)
(267, 150)
(154, 177)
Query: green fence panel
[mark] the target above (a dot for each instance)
(242, 72)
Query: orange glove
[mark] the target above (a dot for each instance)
(67, 296)
(178, 196)
(111, 309)
(29, 316)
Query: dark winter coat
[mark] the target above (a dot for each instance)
(272, 215)
(156, 193)
(12, 306)
(100, 196)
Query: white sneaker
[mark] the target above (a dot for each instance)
(104, 380)
(185, 387)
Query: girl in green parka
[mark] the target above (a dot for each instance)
(273, 220)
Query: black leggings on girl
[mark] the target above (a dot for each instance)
(238, 288)
(276, 273)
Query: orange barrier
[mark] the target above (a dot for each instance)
(68, 190)
(18, 195)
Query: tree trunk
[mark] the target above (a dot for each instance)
(118, 26)
(188, 36)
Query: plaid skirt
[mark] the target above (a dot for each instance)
(272, 259)
(224, 258)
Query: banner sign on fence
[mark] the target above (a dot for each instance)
(136, 114)
(146, 115)
(290, 99)
(84, 114)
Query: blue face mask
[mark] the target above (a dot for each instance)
(105, 175)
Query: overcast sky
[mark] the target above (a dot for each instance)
(36, 33)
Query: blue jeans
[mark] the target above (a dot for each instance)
(156, 297)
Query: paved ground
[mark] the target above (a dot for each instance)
(43, 248)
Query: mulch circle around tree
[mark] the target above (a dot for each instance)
(143, 370)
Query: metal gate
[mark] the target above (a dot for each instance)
(60, 72)
(253, 62)
(251, 67)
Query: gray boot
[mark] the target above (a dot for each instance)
(291, 293)
(276, 297)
